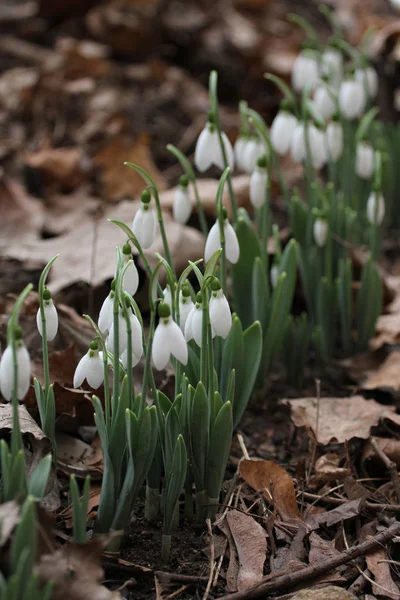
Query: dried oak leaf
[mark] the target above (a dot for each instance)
(9, 518)
(251, 545)
(380, 569)
(275, 483)
(321, 550)
(386, 375)
(390, 446)
(327, 467)
(22, 216)
(339, 419)
(61, 167)
(76, 457)
(233, 567)
(345, 511)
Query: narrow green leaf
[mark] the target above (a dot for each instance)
(218, 453)
(252, 352)
(38, 481)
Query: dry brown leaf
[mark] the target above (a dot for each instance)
(390, 446)
(327, 467)
(345, 511)
(387, 331)
(118, 180)
(321, 550)
(9, 518)
(275, 483)
(339, 419)
(22, 216)
(233, 567)
(251, 545)
(387, 375)
(385, 586)
(57, 166)
(76, 457)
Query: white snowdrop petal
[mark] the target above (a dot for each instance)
(220, 315)
(81, 370)
(205, 147)
(318, 148)
(213, 242)
(375, 208)
(258, 186)
(230, 157)
(6, 373)
(95, 371)
(51, 316)
(232, 249)
(137, 224)
(130, 281)
(24, 371)
(184, 310)
(182, 206)
(368, 78)
(239, 149)
(197, 325)
(188, 325)
(352, 99)
(364, 160)
(334, 139)
(167, 296)
(305, 72)
(177, 342)
(122, 336)
(254, 150)
(149, 228)
(137, 338)
(161, 349)
(320, 230)
(324, 102)
(281, 132)
(332, 65)
(298, 144)
(106, 314)
(124, 359)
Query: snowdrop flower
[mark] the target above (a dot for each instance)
(254, 149)
(220, 313)
(239, 150)
(364, 160)
(208, 149)
(130, 282)
(144, 224)
(352, 99)
(395, 4)
(324, 102)
(167, 295)
(194, 322)
(106, 311)
(305, 71)
(282, 129)
(51, 317)
(368, 78)
(375, 208)
(136, 329)
(90, 367)
(168, 339)
(213, 242)
(332, 66)
(298, 144)
(274, 274)
(320, 231)
(258, 183)
(334, 140)
(137, 342)
(182, 206)
(318, 149)
(185, 305)
(23, 369)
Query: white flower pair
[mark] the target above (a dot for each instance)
(208, 150)
(213, 242)
(144, 224)
(219, 313)
(248, 150)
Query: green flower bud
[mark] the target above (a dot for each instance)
(146, 197)
(164, 310)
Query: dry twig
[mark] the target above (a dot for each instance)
(390, 465)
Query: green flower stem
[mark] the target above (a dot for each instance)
(211, 371)
(215, 112)
(148, 373)
(115, 352)
(220, 217)
(204, 369)
(162, 229)
(41, 287)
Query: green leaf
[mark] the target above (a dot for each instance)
(25, 538)
(344, 295)
(232, 355)
(260, 294)
(185, 164)
(325, 317)
(172, 430)
(175, 482)
(39, 394)
(218, 453)
(39, 478)
(117, 443)
(369, 303)
(252, 352)
(366, 123)
(199, 433)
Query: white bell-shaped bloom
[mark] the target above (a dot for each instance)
(352, 99)
(332, 66)
(281, 132)
(320, 230)
(91, 368)
(137, 343)
(130, 282)
(368, 78)
(253, 151)
(324, 102)
(298, 144)
(208, 150)
(185, 306)
(395, 4)
(168, 339)
(167, 295)
(305, 71)
(364, 160)
(7, 371)
(122, 335)
(106, 313)
(239, 150)
(51, 316)
(220, 314)
(144, 225)
(375, 208)
(213, 242)
(258, 186)
(334, 140)
(194, 324)
(318, 149)
(274, 274)
(182, 206)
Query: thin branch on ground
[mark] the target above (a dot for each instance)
(212, 556)
(339, 501)
(390, 465)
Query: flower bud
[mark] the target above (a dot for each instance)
(281, 133)
(352, 99)
(320, 230)
(364, 160)
(375, 208)
(334, 140)
(305, 71)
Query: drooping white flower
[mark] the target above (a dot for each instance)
(7, 371)
(274, 274)
(305, 71)
(368, 78)
(334, 140)
(364, 160)
(220, 312)
(144, 224)
(208, 149)
(258, 186)
(122, 335)
(182, 206)
(332, 66)
(185, 306)
(320, 231)
(90, 367)
(137, 343)
(51, 317)
(253, 151)
(281, 132)
(130, 282)
(106, 311)
(298, 144)
(168, 339)
(167, 295)
(318, 149)
(239, 150)
(194, 322)
(324, 102)
(352, 98)
(213, 242)
(375, 208)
